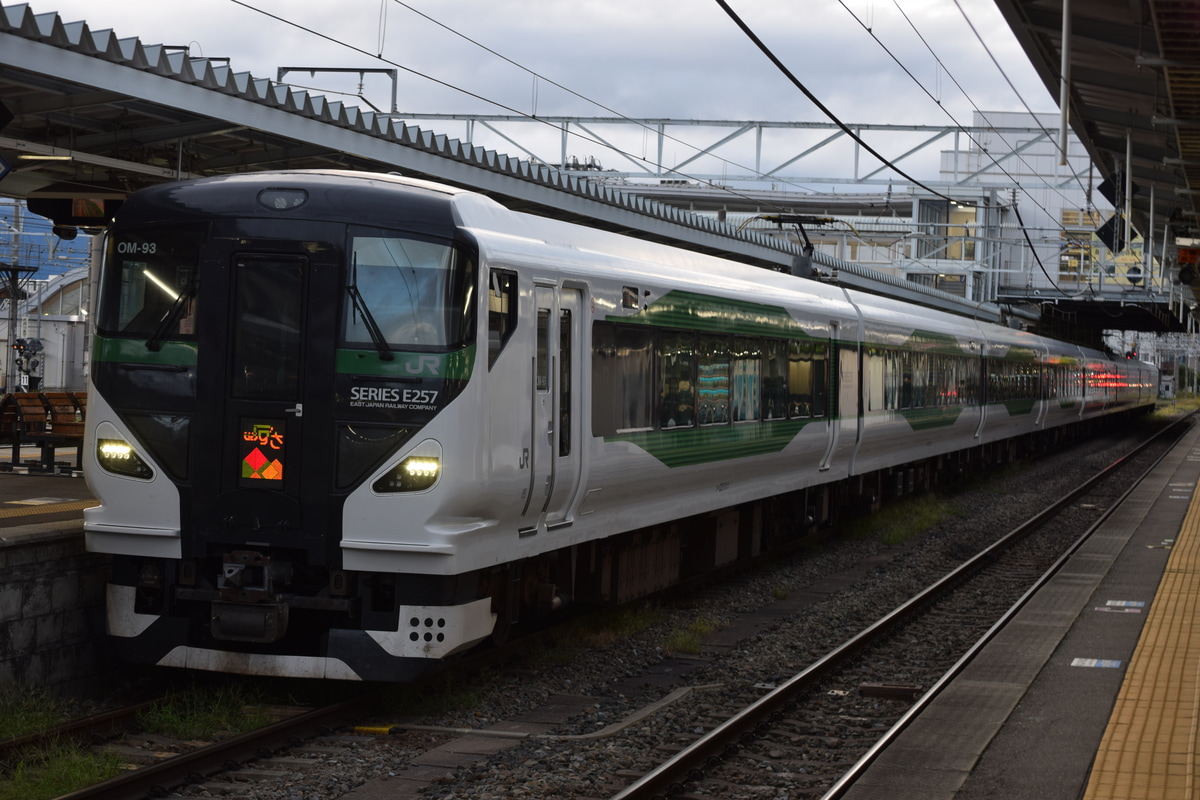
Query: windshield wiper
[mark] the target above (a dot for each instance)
(155, 342)
(360, 305)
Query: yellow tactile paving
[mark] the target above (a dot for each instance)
(1149, 751)
(51, 508)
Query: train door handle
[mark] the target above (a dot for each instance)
(297, 409)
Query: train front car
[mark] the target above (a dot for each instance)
(266, 345)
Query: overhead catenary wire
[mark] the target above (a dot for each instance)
(730, 190)
(1033, 115)
(962, 128)
(787, 73)
(538, 76)
(498, 104)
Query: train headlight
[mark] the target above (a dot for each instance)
(413, 474)
(118, 457)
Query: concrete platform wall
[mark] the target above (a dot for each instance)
(51, 610)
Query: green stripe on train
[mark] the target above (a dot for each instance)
(682, 447)
(454, 366)
(700, 312)
(1019, 408)
(134, 351)
(708, 314)
(920, 419)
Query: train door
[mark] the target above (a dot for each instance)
(264, 448)
(555, 393)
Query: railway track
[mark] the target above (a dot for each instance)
(857, 693)
(726, 737)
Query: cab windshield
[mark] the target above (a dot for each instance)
(152, 287)
(420, 293)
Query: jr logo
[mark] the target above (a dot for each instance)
(422, 365)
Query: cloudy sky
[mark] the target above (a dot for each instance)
(680, 59)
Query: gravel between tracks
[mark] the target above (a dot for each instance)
(617, 675)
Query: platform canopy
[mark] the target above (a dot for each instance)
(1131, 72)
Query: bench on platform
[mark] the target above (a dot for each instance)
(45, 420)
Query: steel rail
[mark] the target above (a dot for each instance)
(155, 779)
(860, 767)
(85, 729)
(669, 777)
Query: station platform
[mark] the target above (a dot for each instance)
(32, 502)
(1093, 691)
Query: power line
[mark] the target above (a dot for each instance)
(965, 94)
(1062, 228)
(498, 104)
(813, 98)
(583, 97)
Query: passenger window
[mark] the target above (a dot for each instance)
(906, 380)
(564, 383)
(800, 380)
(747, 385)
(677, 391)
(875, 378)
(775, 388)
(622, 379)
(821, 379)
(714, 380)
(543, 350)
(502, 311)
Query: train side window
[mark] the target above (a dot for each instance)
(997, 382)
(677, 387)
(622, 379)
(891, 380)
(939, 394)
(820, 379)
(950, 386)
(905, 361)
(502, 311)
(564, 382)
(807, 381)
(966, 379)
(747, 379)
(543, 350)
(775, 389)
(970, 381)
(875, 377)
(714, 380)
(923, 379)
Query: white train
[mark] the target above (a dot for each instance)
(344, 425)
